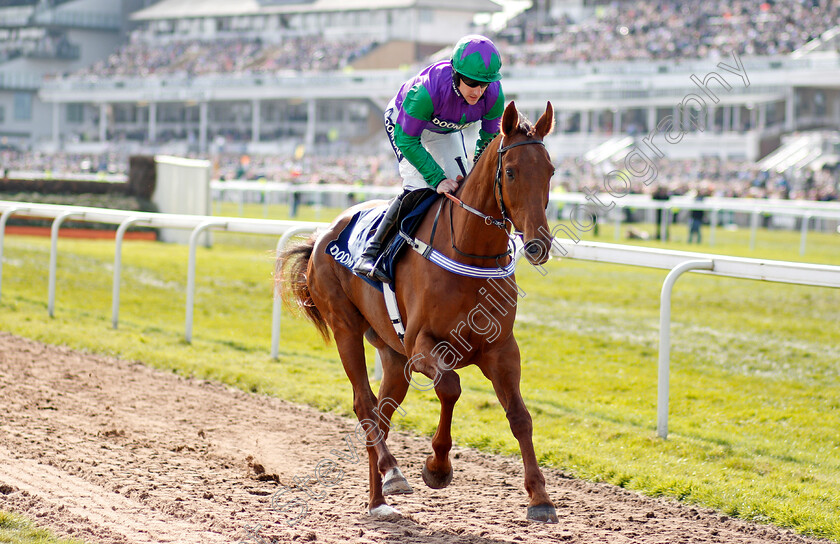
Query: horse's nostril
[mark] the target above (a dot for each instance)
(533, 247)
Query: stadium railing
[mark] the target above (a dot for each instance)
(804, 210)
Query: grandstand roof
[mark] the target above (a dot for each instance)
(177, 9)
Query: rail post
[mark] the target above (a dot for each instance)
(276, 308)
(191, 272)
(806, 218)
(115, 293)
(4, 217)
(56, 225)
(713, 221)
(665, 338)
(618, 211)
(753, 228)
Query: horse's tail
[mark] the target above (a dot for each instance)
(290, 282)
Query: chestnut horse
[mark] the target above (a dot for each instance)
(451, 320)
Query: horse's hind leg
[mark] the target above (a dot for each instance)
(386, 480)
(437, 471)
(370, 430)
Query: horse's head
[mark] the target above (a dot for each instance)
(523, 175)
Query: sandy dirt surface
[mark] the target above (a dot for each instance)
(112, 451)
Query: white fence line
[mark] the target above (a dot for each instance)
(629, 200)
(806, 211)
(607, 207)
(197, 223)
(677, 262)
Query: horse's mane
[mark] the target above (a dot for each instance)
(524, 126)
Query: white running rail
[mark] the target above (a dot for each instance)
(125, 219)
(679, 262)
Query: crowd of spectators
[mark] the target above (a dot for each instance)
(351, 169)
(619, 31)
(41, 45)
(232, 56)
(716, 177)
(355, 169)
(669, 29)
(711, 176)
(61, 163)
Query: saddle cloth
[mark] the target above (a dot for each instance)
(351, 242)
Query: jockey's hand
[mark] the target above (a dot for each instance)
(449, 185)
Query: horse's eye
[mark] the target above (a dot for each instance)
(509, 173)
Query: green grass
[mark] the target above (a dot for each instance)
(15, 529)
(755, 366)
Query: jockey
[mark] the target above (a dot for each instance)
(425, 123)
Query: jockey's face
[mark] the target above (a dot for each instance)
(471, 90)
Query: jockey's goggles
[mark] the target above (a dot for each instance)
(472, 84)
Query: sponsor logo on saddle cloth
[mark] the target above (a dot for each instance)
(352, 240)
(342, 257)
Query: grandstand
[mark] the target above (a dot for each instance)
(680, 80)
(39, 38)
(164, 82)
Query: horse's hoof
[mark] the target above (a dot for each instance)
(435, 480)
(394, 483)
(384, 511)
(544, 513)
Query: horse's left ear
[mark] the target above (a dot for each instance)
(546, 123)
(510, 119)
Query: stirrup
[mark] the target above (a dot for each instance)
(378, 275)
(365, 266)
(368, 267)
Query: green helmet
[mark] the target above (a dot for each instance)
(476, 57)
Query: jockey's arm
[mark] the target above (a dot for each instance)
(417, 106)
(490, 124)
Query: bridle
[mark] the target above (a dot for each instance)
(489, 219)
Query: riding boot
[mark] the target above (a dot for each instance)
(366, 265)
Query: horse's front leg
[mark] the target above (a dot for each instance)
(437, 472)
(502, 368)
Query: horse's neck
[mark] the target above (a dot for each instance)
(471, 234)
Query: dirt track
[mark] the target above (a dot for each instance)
(112, 451)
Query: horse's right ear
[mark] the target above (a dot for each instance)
(510, 119)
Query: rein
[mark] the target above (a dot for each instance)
(451, 265)
(488, 219)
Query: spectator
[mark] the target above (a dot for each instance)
(695, 219)
(661, 193)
